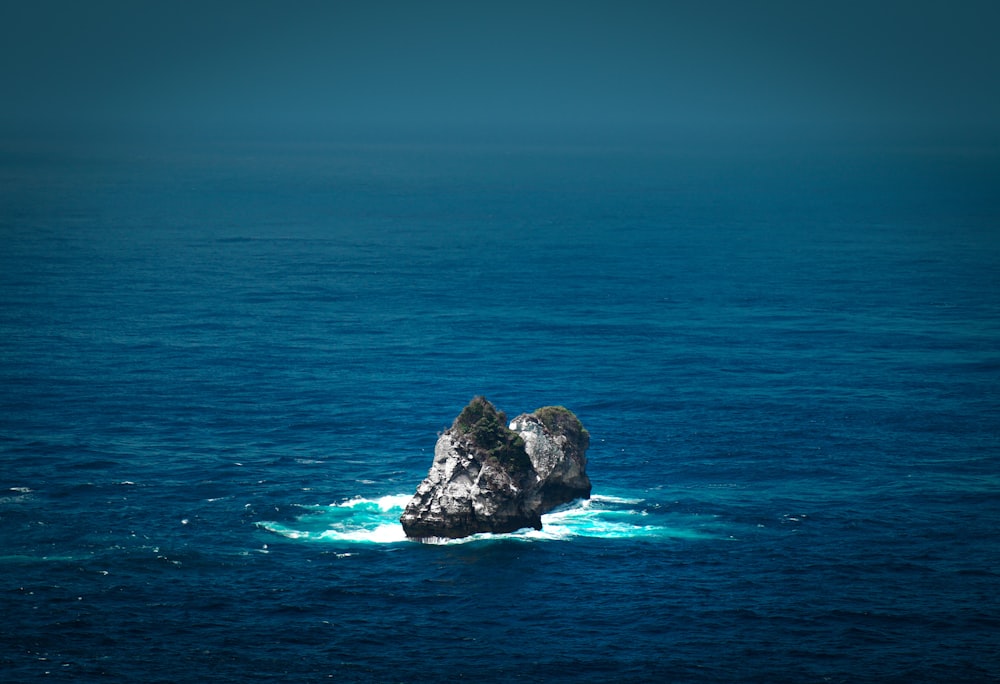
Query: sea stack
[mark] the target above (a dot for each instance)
(488, 476)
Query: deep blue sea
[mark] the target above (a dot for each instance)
(224, 365)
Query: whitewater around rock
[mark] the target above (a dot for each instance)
(488, 476)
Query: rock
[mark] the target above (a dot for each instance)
(556, 443)
(491, 477)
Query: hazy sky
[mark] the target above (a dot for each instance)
(703, 64)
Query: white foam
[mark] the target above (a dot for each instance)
(382, 534)
(606, 498)
(394, 501)
(384, 503)
(376, 521)
(283, 531)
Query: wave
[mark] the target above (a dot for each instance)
(376, 521)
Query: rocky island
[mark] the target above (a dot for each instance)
(491, 476)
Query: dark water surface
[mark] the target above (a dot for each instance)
(223, 368)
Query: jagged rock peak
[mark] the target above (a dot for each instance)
(488, 476)
(483, 428)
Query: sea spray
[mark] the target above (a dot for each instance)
(375, 521)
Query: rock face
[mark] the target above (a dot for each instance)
(491, 477)
(557, 444)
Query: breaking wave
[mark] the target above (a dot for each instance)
(376, 521)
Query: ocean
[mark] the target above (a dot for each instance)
(224, 365)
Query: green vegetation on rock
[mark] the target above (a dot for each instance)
(487, 429)
(559, 419)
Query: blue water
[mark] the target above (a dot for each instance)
(223, 367)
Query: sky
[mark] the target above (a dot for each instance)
(701, 65)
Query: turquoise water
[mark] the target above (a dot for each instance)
(604, 517)
(223, 368)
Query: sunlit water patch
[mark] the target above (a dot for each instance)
(376, 521)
